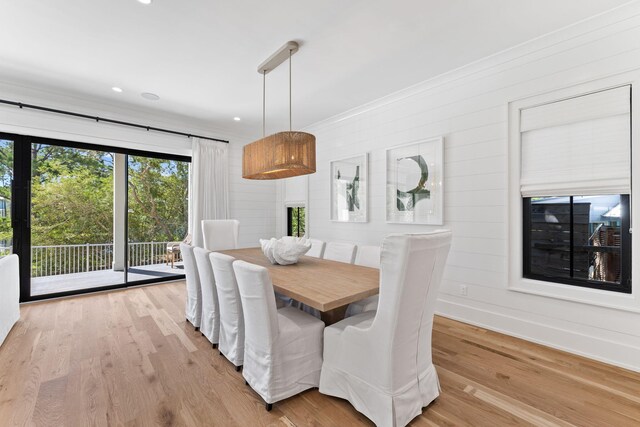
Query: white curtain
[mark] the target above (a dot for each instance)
(208, 185)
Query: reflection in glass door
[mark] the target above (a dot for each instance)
(157, 216)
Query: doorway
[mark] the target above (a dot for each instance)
(84, 217)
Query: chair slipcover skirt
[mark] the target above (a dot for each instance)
(193, 308)
(380, 361)
(283, 348)
(210, 319)
(378, 405)
(293, 365)
(231, 340)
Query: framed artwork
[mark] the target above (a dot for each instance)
(414, 183)
(349, 189)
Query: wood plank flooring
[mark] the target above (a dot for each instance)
(128, 358)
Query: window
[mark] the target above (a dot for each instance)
(575, 175)
(295, 221)
(578, 240)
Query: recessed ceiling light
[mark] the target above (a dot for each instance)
(150, 96)
(237, 119)
(145, 1)
(116, 89)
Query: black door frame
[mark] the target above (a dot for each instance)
(21, 210)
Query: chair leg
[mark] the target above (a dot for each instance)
(215, 345)
(246, 382)
(268, 407)
(197, 329)
(238, 368)
(220, 353)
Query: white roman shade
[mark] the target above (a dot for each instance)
(577, 146)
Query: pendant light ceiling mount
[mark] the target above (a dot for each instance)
(283, 154)
(278, 57)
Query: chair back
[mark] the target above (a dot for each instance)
(207, 280)
(231, 316)
(259, 305)
(341, 252)
(317, 248)
(368, 256)
(410, 274)
(220, 234)
(190, 270)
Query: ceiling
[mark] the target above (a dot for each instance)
(201, 56)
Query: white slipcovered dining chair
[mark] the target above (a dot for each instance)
(366, 256)
(193, 309)
(210, 319)
(220, 234)
(283, 348)
(231, 340)
(317, 248)
(341, 252)
(9, 294)
(380, 361)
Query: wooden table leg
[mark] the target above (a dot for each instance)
(332, 316)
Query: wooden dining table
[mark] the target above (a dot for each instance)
(327, 286)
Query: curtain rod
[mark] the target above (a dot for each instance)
(102, 119)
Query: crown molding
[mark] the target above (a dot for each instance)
(605, 23)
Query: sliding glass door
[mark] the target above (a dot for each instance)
(90, 217)
(72, 220)
(157, 216)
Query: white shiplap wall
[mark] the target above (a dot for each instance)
(469, 107)
(251, 201)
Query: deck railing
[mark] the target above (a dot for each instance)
(67, 259)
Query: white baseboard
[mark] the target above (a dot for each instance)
(592, 347)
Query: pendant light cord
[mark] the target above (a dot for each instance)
(264, 91)
(290, 127)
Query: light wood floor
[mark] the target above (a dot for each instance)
(128, 358)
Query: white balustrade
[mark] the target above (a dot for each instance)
(68, 259)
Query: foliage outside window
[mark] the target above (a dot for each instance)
(296, 221)
(72, 197)
(6, 176)
(579, 240)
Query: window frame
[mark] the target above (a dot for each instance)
(21, 208)
(625, 251)
(513, 225)
(290, 220)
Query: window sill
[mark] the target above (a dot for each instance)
(597, 297)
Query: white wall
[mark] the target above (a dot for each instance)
(469, 107)
(251, 202)
(290, 192)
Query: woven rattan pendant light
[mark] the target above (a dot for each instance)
(283, 154)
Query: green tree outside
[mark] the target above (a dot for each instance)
(72, 196)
